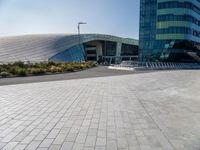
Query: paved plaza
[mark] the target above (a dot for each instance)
(151, 111)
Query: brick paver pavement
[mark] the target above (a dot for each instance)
(154, 111)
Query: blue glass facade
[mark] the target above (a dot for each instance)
(166, 23)
(148, 12)
(74, 54)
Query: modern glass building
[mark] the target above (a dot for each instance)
(68, 48)
(169, 30)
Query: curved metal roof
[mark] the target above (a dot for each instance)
(42, 47)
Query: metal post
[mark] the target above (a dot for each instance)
(80, 23)
(79, 36)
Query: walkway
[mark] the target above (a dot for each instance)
(154, 111)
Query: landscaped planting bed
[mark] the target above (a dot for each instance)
(42, 68)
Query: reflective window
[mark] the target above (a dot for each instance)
(172, 17)
(182, 30)
(129, 50)
(177, 4)
(109, 48)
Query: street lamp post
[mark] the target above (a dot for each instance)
(79, 36)
(80, 23)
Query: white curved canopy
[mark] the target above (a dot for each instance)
(42, 47)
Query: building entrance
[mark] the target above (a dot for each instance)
(91, 53)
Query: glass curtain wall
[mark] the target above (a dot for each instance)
(164, 23)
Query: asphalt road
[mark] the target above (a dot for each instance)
(100, 71)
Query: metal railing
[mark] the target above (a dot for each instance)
(168, 65)
(126, 64)
(157, 65)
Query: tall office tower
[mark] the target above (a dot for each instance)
(170, 30)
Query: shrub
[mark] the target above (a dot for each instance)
(43, 65)
(23, 69)
(55, 69)
(91, 64)
(70, 68)
(51, 63)
(4, 74)
(22, 72)
(19, 63)
(76, 66)
(14, 70)
(2, 69)
(37, 65)
(36, 71)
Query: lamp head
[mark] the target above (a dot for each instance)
(82, 23)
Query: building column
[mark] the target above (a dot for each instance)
(119, 49)
(118, 53)
(99, 50)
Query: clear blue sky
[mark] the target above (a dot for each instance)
(116, 17)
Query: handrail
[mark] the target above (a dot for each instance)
(171, 65)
